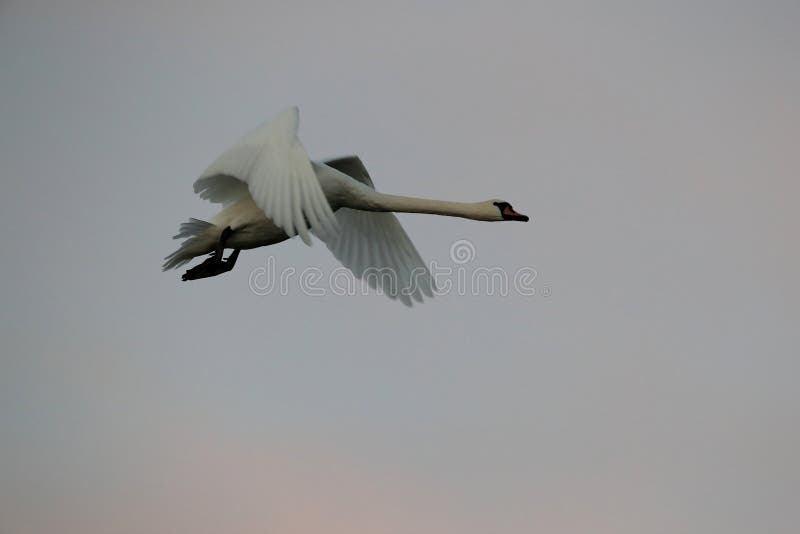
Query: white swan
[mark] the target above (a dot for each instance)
(271, 191)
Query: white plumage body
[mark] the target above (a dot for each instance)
(253, 229)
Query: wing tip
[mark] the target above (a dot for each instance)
(290, 115)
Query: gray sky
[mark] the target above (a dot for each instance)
(654, 389)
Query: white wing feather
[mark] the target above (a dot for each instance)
(375, 247)
(273, 164)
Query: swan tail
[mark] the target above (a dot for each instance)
(200, 240)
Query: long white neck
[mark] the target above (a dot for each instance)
(368, 199)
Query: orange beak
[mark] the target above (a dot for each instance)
(511, 215)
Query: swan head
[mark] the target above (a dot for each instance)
(502, 211)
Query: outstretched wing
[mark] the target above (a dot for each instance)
(375, 247)
(273, 164)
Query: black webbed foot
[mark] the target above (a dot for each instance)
(212, 266)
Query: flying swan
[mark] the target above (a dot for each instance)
(270, 191)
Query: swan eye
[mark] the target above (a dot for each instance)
(504, 207)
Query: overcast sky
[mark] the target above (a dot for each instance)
(649, 384)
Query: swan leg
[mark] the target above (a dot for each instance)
(214, 264)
